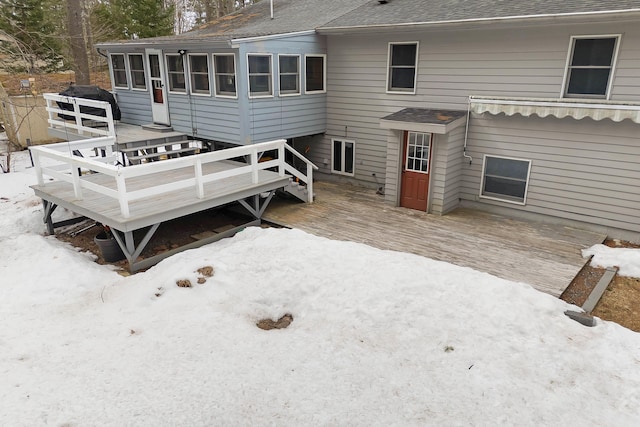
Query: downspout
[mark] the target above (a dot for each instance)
(100, 53)
(466, 133)
(271, 9)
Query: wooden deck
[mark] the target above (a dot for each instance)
(543, 255)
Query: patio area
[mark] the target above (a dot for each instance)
(546, 256)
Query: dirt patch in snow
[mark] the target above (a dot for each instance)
(620, 303)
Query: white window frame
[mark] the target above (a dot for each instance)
(389, 89)
(113, 71)
(168, 73)
(505, 198)
(614, 61)
(324, 73)
(190, 73)
(299, 80)
(343, 144)
(426, 136)
(144, 72)
(271, 77)
(216, 89)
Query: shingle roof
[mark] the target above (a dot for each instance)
(292, 16)
(398, 12)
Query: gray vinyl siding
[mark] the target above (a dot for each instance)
(205, 117)
(446, 172)
(581, 170)
(135, 106)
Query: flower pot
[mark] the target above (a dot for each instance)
(109, 247)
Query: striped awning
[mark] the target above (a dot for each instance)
(579, 109)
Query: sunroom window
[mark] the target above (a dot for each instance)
(260, 75)
(505, 179)
(403, 64)
(136, 66)
(225, 70)
(315, 73)
(590, 66)
(175, 68)
(119, 70)
(199, 74)
(289, 69)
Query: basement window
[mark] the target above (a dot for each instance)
(343, 157)
(119, 70)
(505, 179)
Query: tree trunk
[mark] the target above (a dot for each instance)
(75, 20)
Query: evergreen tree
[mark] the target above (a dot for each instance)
(128, 19)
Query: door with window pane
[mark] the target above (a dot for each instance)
(416, 166)
(159, 106)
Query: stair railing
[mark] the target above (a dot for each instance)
(305, 178)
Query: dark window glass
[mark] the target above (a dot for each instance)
(136, 65)
(402, 67)
(337, 156)
(199, 68)
(348, 157)
(119, 71)
(260, 75)
(590, 68)
(314, 74)
(175, 67)
(505, 177)
(225, 68)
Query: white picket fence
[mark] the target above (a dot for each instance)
(59, 162)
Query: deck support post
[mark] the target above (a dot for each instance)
(256, 210)
(128, 245)
(49, 209)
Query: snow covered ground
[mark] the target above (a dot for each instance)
(378, 338)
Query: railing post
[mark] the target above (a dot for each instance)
(110, 125)
(76, 112)
(309, 183)
(77, 188)
(199, 183)
(281, 158)
(36, 164)
(122, 195)
(254, 165)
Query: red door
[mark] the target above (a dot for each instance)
(415, 170)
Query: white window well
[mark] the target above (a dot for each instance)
(260, 77)
(343, 156)
(119, 70)
(590, 66)
(199, 74)
(505, 179)
(289, 71)
(315, 75)
(402, 67)
(224, 66)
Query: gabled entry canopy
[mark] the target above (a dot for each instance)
(578, 109)
(426, 120)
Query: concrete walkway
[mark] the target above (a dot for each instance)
(545, 256)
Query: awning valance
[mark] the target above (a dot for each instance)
(596, 110)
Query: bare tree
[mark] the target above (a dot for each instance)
(76, 19)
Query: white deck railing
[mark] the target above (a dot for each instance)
(95, 126)
(59, 162)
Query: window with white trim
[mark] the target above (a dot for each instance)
(119, 70)
(403, 67)
(505, 179)
(199, 74)
(260, 76)
(136, 68)
(418, 150)
(224, 66)
(289, 70)
(343, 156)
(175, 70)
(315, 73)
(590, 66)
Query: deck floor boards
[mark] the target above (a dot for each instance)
(546, 256)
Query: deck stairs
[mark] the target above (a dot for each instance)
(297, 190)
(156, 148)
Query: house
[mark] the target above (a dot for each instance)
(524, 108)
